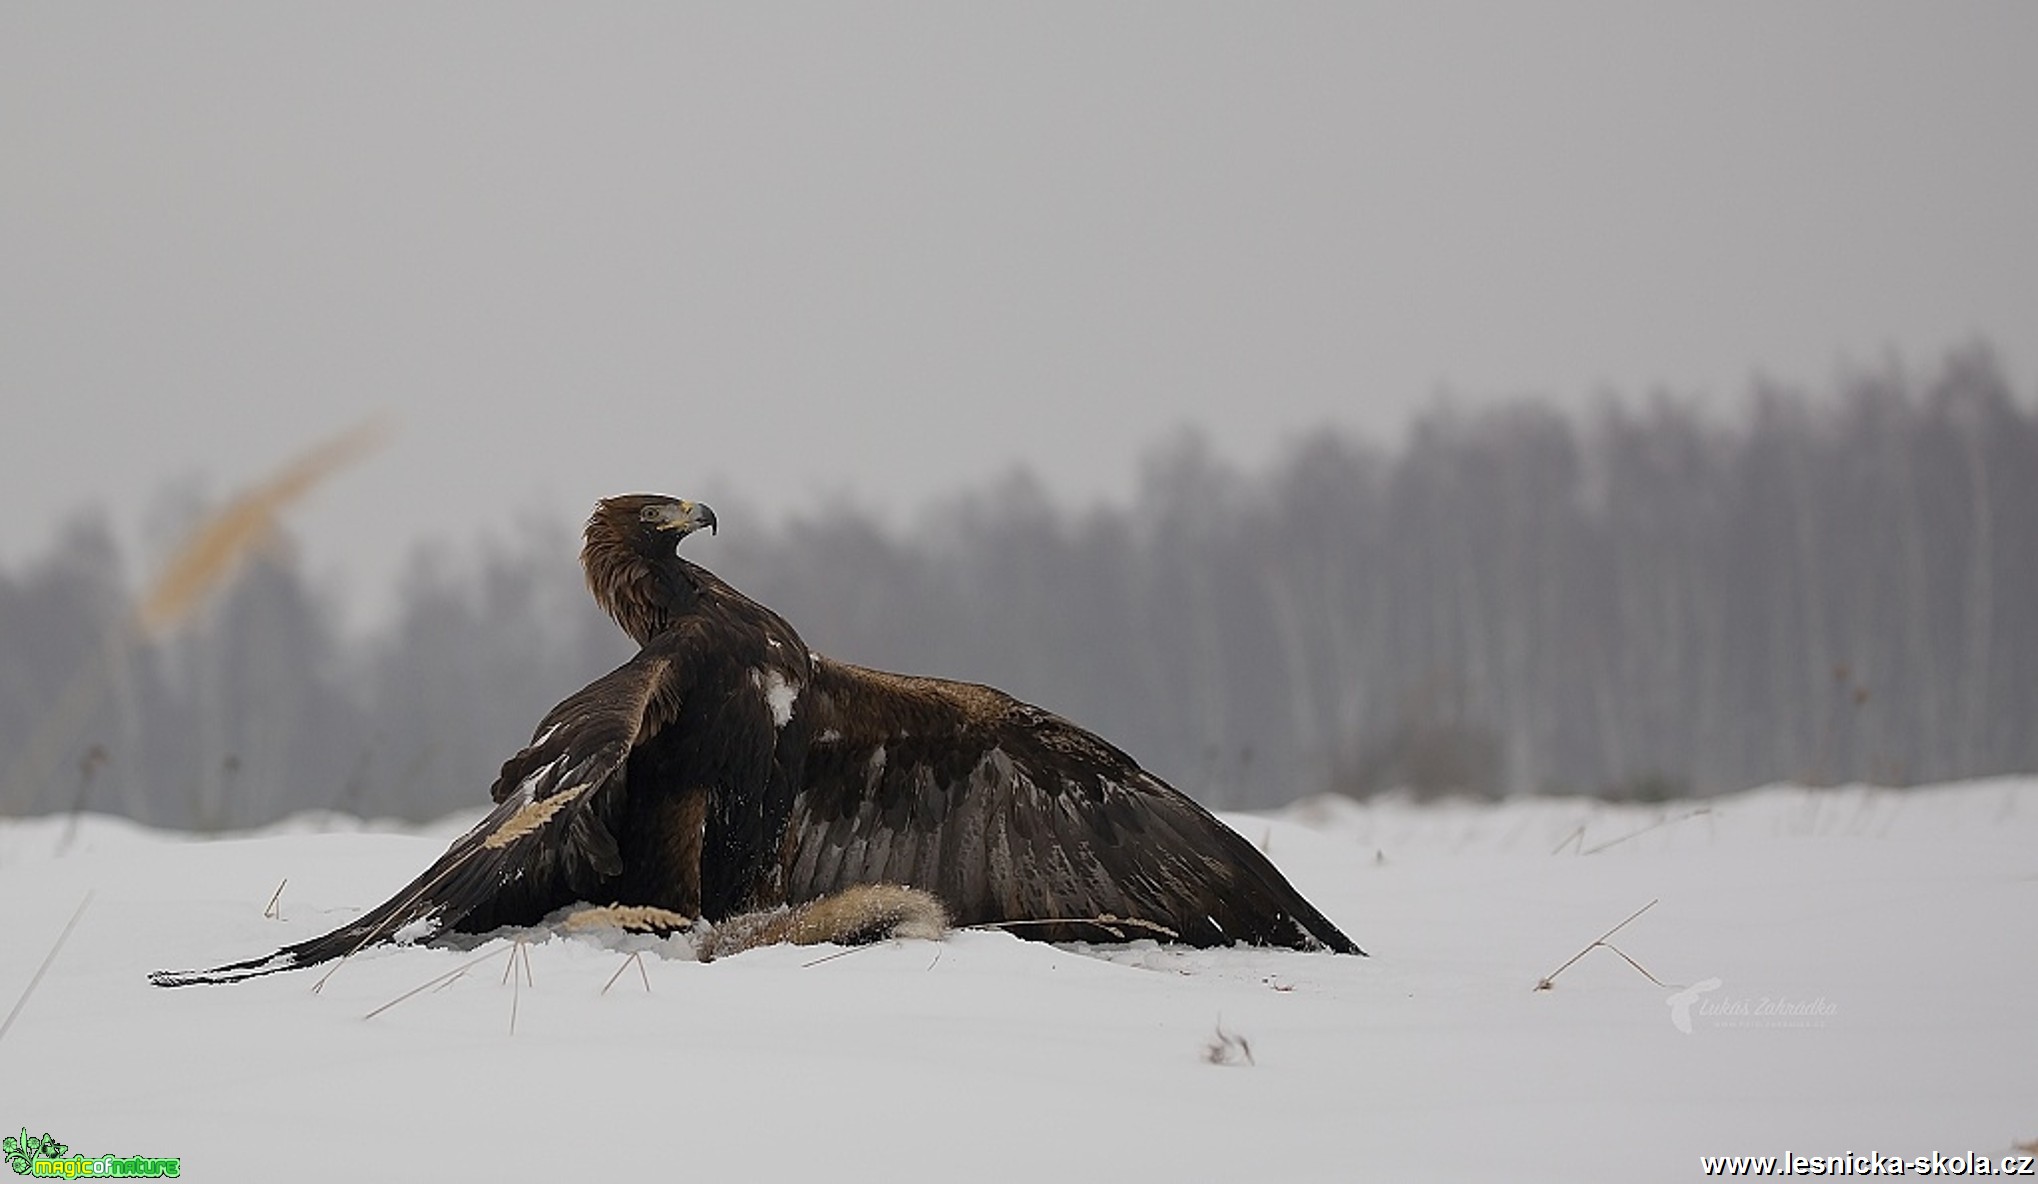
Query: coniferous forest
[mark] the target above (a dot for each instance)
(1642, 601)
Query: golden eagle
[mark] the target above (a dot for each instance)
(729, 768)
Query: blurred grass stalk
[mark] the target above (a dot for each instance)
(200, 567)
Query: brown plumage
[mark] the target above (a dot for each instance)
(727, 769)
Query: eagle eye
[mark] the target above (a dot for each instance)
(648, 514)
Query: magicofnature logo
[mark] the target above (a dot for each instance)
(43, 1156)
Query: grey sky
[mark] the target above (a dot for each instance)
(773, 255)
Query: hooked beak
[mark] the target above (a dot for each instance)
(693, 516)
(686, 517)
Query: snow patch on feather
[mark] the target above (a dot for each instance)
(416, 931)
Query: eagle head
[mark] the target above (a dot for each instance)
(649, 519)
(630, 540)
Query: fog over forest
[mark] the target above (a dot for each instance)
(1645, 601)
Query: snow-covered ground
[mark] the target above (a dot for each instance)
(1898, 930)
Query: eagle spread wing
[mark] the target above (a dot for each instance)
(726, 768)
(546, 842)
(1014, 816)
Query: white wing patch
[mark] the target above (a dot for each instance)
(779, 695)
(538, 776)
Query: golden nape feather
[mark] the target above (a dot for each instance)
(728, 773)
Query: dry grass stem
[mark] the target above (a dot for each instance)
(842, 953)
(1550, 980)
(272, 911)
(36, 978)
(1642, 970)
(442, 980)
(1228, 1048)
(1657, 825)
(1106, 922)
(88, 768)
(636, 956)
(521, 949)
